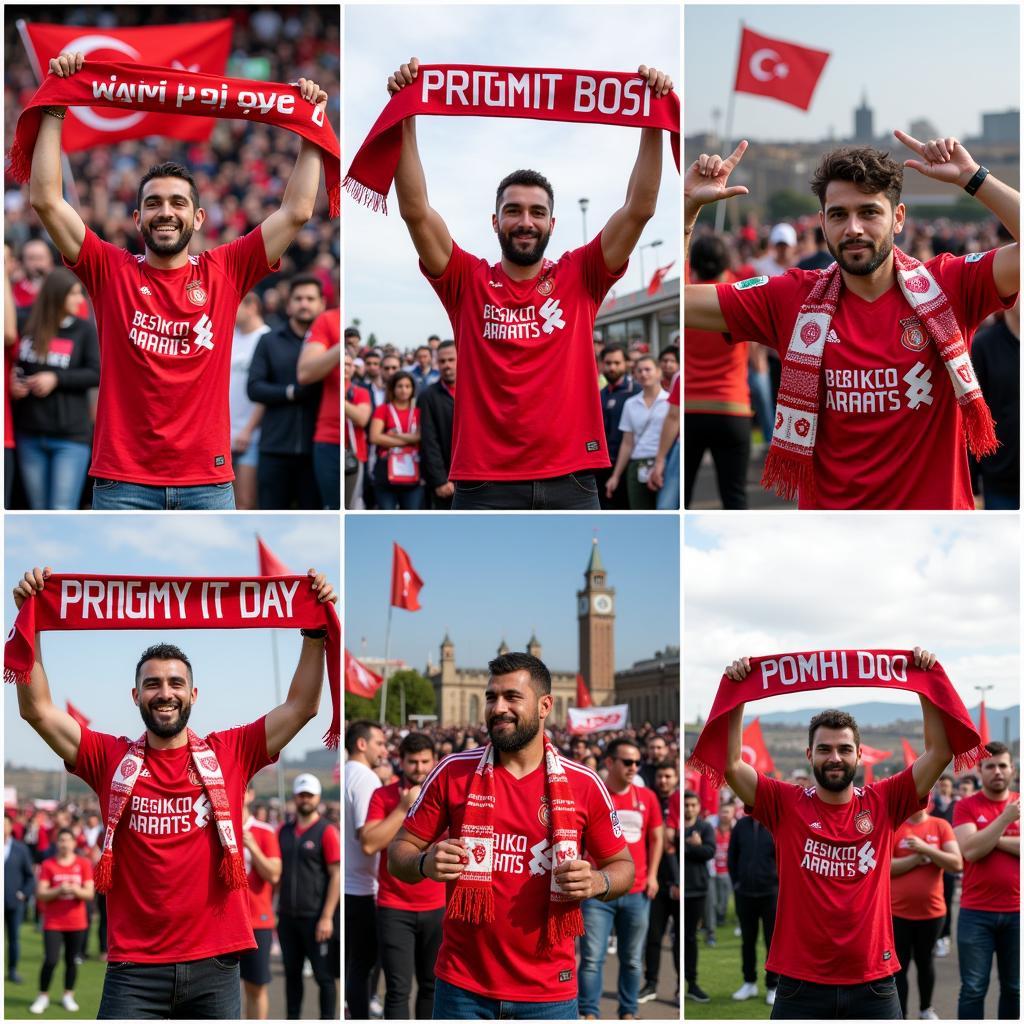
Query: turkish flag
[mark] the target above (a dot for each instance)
(983, 724)
(657, 277)
(699, 783)
(196, 46)
(359, 679)
(909, 754)
(754, 750)
(270, 564)
(77, 715)
(405, 582)
(582, 693)
(782, 71)
(869, 757)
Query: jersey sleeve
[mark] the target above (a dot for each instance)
(326, 329)
(428, 817)
(969, 285)
(602, 837)
(248, 745)
(597, 278)
(269, 843)
(331, 846)
(244, 260)
(375, 811)
(450, 283)
(95, 260)
(900, 794)
(945, 831)
(626, 420)
(654, 815)
(769, 801)
(672, 821)
(98, 754)
(963, 813)
(762, 308)
(86, 869)
(673, 396)
(46, 870)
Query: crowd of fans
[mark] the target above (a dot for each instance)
(285, 415)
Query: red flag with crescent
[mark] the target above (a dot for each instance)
(405, 582)
(780, 70)
(359, 679)
(755, 751)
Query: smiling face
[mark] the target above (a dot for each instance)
(834, 758)
(164, 694)
(167, 217)
(513, 711)
(859, 227)
(523, 224)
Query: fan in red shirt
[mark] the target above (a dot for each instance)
(318, 361)
(525, 437)
(833, 945)
(520, 963)
(987, 827)
(358, 409)
(408, 916)
(889, 428)
(175, 930)
(165, 321)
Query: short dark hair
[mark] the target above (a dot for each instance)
(709, 257)
(618, 743)
(63, 832)
(525, 177)
(300, 279)
(610, 349)
(689, 794)
(358, 730)
(669, 350)
(517, 661)
(995, 748)
(832, 719)
(352, 332)
(169, 169)
(447, 343)
(162, 652)
(415, 743)
(663, 766)
(869, 169)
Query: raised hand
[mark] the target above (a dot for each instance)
(31, 583)
(311, 91)
(941, 159)
(707, 178)
(404, 76)
(738, 670)
(660, 83)
(66, 64)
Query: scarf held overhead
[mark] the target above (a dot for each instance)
(820, 670)
(469, 90)
(159, 90)
(70, 602)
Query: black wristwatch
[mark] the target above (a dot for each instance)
(420, 863)
(975, 183)
(315, 634)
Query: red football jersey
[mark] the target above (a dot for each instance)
(833, 863)
(639, 812)
(528, 404)
(261, 892)
(889, 429)
(355, 437)
(165, 359)
(501, 960)
(992, 883)
(326, 331)
(66, 913)
(917, 894)
(167, 832)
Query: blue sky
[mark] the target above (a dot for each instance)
(233, 668)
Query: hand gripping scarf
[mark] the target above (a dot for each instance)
(820, 670)
(542, 94)
(790, 463)
(180, 602)
(232, 866)
(172, 90)
(473, 898)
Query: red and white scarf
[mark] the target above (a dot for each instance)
(232, 866)
(470, 90)
(473, 898)
(806, 671)
(790, 464)
(177, 91)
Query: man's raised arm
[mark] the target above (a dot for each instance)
(742, 777)
(61, 733)
(937, 750)
(61, 220)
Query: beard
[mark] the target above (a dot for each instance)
(831, 784)
(514, 740)
(876, 256)
(166, 247)
(523, 257)
(169, 729)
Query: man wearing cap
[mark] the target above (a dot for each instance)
(307, 898)
(781, 251)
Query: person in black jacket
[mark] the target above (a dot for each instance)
(19, 884)
(285, 476)
(698, 849)
(437, 412)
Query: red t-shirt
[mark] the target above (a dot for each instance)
(425, 895)
(889, 428)
(722, 837)
(165, 359)
(168, 831)
(529, 404)
(261, 892)
(326, 331)
(716, 372)
(992, 883)
(408, 419)
(355, 437)
(672, 818)
(639, 812)
(66, 913)
(673, 395)
(833, 863)
(501, 960)
(917, 895)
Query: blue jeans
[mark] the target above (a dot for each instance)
(199, 990)
(327, 467)
(53, 470)
(668, 496)
(629, 915)
(13, 916)
(454, 1003)
(409, 499)
(979, 934)
(111, 495)
(761, 399)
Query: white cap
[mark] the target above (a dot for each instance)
(784, 234)
(306, 783)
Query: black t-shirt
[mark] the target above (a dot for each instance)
(996, 358)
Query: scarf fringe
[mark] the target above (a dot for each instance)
(366, 196)
(563, 923)
(232, 871)
(332, 738)
(713, 774)
(979, 428)
(19, 163)
(13, 675)
(334, 199)
(969, 758)
(787, 474)
(103, 873)
(472, 904)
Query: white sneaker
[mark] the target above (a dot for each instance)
(942, 948)
(68, 1002)
(376, 1009)
(928, 1014)
(737, 932)
(770, 997)
(42, 1001)
(746, 991)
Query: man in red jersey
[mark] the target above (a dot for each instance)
(888, 430)
(525, 437)
(263, 870)
(408, 916)
(165, 321)
(175, 930)
(320, 360)
(833, 945)
(518, 816)
(987, 827)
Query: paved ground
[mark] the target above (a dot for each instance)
(705, 491)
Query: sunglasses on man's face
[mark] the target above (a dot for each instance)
(628, 762)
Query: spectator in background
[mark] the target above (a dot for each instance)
(372, 379)
(285, 476)
(437, 413)
(655, 755)
(619, 387)
(357, 415)
(943, 800)
(318, 361)
(665, 473)
(245, 413)
(721, 887)
(423, 372)
(698, 849)
(262, 854)
(821, 257)
(19, 885)
(782, 242)
(36, 265)
(668, 363)
(395, 430)
(352, 340)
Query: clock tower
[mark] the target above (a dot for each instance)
(595, 609)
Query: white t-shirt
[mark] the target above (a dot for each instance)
(644, 423)
(243, 345)
(360, 870)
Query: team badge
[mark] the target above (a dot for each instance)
(545, 286)
(802, 426)
(751, 282)
(196, 293)
(918, 284)
(128, 769)
(863, 823)
(193, 779)
(973, 257)
(914, 336)
(810, 333)
(544, 812)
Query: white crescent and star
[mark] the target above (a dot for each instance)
(760, 58)
(86, 45)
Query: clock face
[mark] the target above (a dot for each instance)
(583, 606)
(603, 604)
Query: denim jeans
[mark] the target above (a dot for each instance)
(629, 915)
(808, 1000)
(761, 399)
(53, 470)
(979, 934)
(111, 495)
(327, 466)
(408, 499)
(198, 990)
(13, 916)
(668, 496)
(454, 1003)
(574, 491)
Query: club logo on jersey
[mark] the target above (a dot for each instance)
(919, 386)
(751, 282)
(863, 823)
(196, 293)
(544, 812)
(832, 860)
(203, 332)
(810, 333)
(914, 336)
(144, 290)
(545, 286)
(918, 284)
(973, 257)
(551, 311)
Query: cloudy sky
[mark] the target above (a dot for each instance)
(466, 157)
(777, 583)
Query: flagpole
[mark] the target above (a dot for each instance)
(730, 109)
(384, 684)
(277, 703)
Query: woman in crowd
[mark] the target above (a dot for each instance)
(395, 430)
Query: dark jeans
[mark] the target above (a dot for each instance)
(197, 990)
(693, 911)
(327, 467)
(286, 480)
(916, 940)
(807, 1000)
(408, 942)
(948, 888)
(13, 916)
(979, 935)
(728, 438)
(620, 496)
(73, 944)
(753, 911)
(360, 953)
(663, 909)
(454, 1003)
(101, 906)
(297, 936)
(574, 491)
(392, 497)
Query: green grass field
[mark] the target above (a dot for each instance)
(18, 998)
